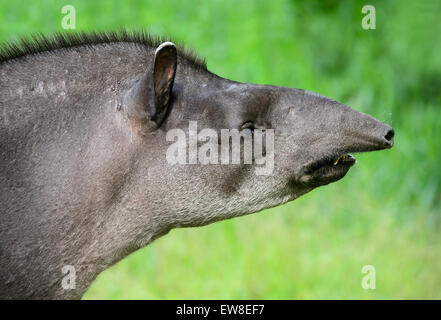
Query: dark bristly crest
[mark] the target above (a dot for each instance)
(39, 43)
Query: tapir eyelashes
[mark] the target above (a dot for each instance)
(249, 125)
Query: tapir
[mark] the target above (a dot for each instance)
(84, 176)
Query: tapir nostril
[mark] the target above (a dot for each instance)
(389, 135)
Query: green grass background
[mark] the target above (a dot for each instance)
(385, 213)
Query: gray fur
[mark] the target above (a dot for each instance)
(84, 179)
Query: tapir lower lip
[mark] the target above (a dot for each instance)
(332, 161)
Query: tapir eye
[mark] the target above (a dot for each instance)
(249, 125)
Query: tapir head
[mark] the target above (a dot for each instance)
(311, 137)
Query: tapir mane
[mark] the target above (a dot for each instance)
(39, 43)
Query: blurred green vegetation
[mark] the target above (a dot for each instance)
(385, 212)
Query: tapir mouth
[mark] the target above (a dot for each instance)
(333, 167)
(334, 162)
(327, 169)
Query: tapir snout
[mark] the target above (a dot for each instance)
(385, 135)
(365, 133)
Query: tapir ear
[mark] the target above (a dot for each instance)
(148, 98)
(164, 69)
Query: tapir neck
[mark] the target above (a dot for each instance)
(66, 201)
